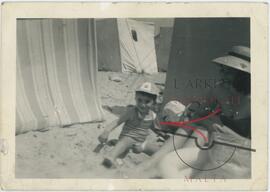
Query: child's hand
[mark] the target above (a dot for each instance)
(103, 137)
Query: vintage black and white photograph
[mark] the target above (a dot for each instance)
(133, 98)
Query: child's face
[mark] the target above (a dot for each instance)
(144, 102)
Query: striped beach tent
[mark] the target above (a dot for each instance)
(56, 73)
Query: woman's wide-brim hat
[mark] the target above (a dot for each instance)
(238, 58)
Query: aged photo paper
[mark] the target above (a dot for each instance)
(133, 96)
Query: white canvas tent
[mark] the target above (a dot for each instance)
(126, 45)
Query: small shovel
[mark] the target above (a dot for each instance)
(99, 147)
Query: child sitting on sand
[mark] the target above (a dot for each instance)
(139, 119)
(173, 111)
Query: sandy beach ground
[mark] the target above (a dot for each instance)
(68, 152)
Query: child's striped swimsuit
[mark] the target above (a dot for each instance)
(137, 127)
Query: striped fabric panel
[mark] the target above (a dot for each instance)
(27, 105)
(88, 54)
(73, 69)
(56, 73)
(24, 111)
(49, 52)
(39, 75)
(61, 68)
(82, 47)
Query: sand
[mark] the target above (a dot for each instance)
(68, 152)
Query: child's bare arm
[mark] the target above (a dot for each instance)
(105, 134)
(112, 125)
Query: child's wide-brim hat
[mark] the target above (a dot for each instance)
(148, 87)
(174, 106)
(238, 58)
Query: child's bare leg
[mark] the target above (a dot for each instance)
(121, 147)
(151, 148)
(123, 155)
